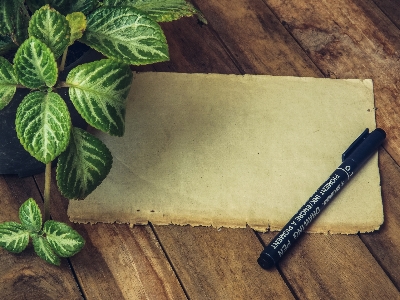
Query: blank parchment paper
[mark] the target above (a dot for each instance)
(231, 150)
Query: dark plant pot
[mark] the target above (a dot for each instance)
(14, 159)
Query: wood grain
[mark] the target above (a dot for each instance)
(118, 262)
(351, 39)
(391, 8)
(255, 38)
(193, 47)
(132, 264)
(220, 264)
(385, 243)
(327, 267)
(25, 275)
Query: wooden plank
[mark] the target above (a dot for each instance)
(335, 267)
(131, 262)
(194, 48)
(25, 275)
(118, 262)
(391, 9)
(256, 39)
(351, 39)
(220, 263)
(385, 243)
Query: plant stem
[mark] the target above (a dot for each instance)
(64, 57)
(47, 182)
(20, 86)
(62, 84)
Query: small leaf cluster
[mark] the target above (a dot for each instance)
(126, 32)
(51, 242)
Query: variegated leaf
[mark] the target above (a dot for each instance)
(98, 91)
(8, 82)
(83, 166)
(50, 27)
(83, 6)
(13, 237)
(126, 34)
(43, 125)
(116, 2)
(77, 23)
(35, 65)
(36, 4)
(30, 215)
(20, 29)
(59, 5)
(8, 13)
(65, 6)
(13, 20)
(44, 250)
(6, 44)
(8, 9)
(160, 10)
(64, 240)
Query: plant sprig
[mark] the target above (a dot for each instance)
(50, 242)
(127, 33)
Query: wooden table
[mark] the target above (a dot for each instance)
(337, 39)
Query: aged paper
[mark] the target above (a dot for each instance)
(231, 150)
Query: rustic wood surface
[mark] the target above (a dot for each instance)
(337, 39)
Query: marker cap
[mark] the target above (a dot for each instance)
(265, 261)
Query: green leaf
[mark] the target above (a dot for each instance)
(35, 64)
(13, 237)
(59, 5)
(83, 166)
(6, 44)
(98, 91)
(44, 250)
(83, 6)
(8, 12)
(166, 10)
(64, 240)
(116, 2)
(65, 6)
(20, 29)
(126, 34)
(30, 215)
(8, 82)
(13, 20)
(43, 125)
(161, 10)
(36, 4)
(77, 22)
(50, 27)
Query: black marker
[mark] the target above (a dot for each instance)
(352, 159)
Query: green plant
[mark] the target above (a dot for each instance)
(51, 242)
(127, 33)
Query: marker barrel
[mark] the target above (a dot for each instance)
(306, 214)
(313, 207)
